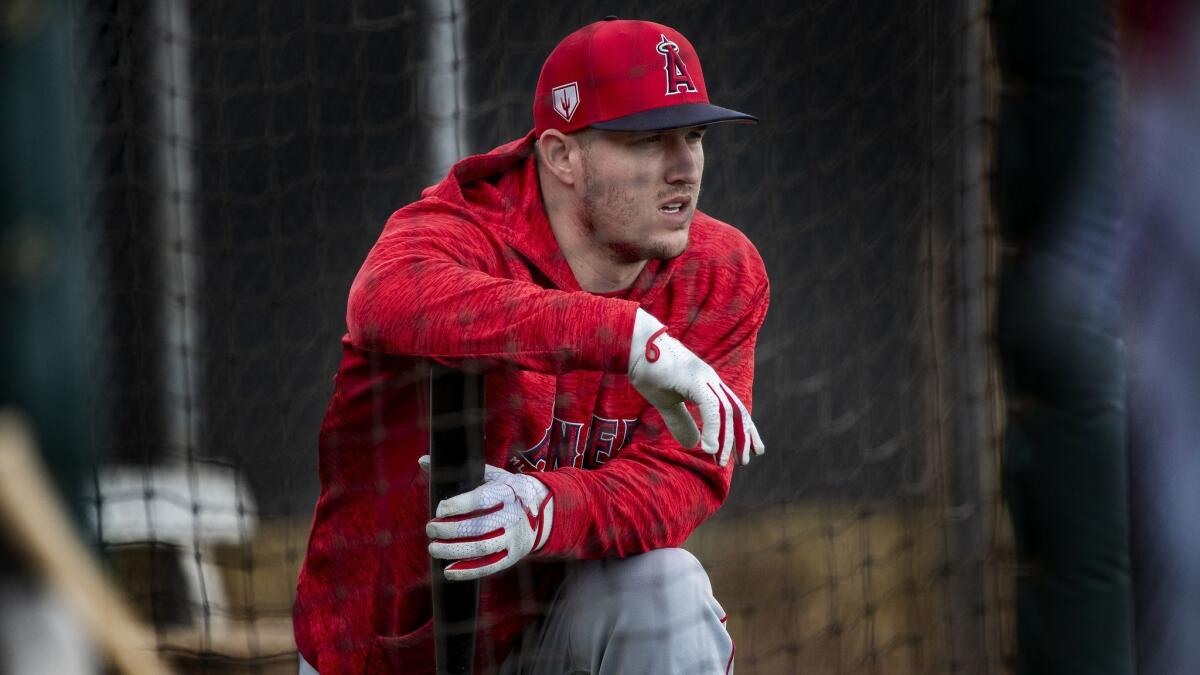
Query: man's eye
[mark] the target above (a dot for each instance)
(649, 140)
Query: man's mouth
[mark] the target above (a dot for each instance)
(675, 205)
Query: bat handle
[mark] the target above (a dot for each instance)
(455, 467)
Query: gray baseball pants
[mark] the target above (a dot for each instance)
(647, 614)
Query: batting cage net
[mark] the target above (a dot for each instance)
(245, 155)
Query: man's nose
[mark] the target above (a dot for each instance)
(683, 164)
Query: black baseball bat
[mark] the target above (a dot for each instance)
(455, 466)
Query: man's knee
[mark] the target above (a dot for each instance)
(660, 582)
(663, 565)
(649, 613)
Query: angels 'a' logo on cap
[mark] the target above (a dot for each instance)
(678, 79)
(566, 100)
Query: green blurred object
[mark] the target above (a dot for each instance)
(44, 290)
(1057, 185)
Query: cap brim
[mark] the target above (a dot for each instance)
(676, 117)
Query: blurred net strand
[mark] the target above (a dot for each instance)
(1002, 570)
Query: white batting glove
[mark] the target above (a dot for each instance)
(666, 374)
(491, 527)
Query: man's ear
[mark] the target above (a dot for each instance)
(560, 155)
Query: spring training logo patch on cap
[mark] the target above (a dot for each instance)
(678, 79)
(566, 100)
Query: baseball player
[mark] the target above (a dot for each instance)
(616, 324)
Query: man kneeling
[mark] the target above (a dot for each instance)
(573, 266)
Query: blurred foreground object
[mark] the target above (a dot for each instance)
(33, 518)
(1161, 277)
(44, 356)
(1057, 200)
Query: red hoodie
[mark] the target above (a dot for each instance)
(472, 271)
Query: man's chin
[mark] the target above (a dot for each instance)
(630, 253)
(664, 246)
(667, 248)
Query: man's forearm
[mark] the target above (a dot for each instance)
(636, 503)
(422, 302)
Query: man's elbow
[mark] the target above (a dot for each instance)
(715, 491)
(372, 318)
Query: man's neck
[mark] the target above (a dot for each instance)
(595, 271)
(594, 268)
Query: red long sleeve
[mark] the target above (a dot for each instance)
(435, 285)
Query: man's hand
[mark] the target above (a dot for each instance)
(666, 373)
(491, 527)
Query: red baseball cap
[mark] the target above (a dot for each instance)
(625, 76)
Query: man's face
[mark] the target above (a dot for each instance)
(640, 190)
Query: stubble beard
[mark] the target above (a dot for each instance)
(606, 208)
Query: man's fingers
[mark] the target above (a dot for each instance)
(681, 425)
(756, 441)
(725, 424)
(710, 416)
(741, 426)
(742, 440)
(729, 430)
(477, 568)
(749, 442)
(720, 432)
(468, 547)
(452, 528)
(464, 503)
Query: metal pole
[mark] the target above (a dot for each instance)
(179, 254)
(441, 88)
(456, 424)
(180, 273)
(970, 468)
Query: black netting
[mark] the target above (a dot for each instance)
(864, 539)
